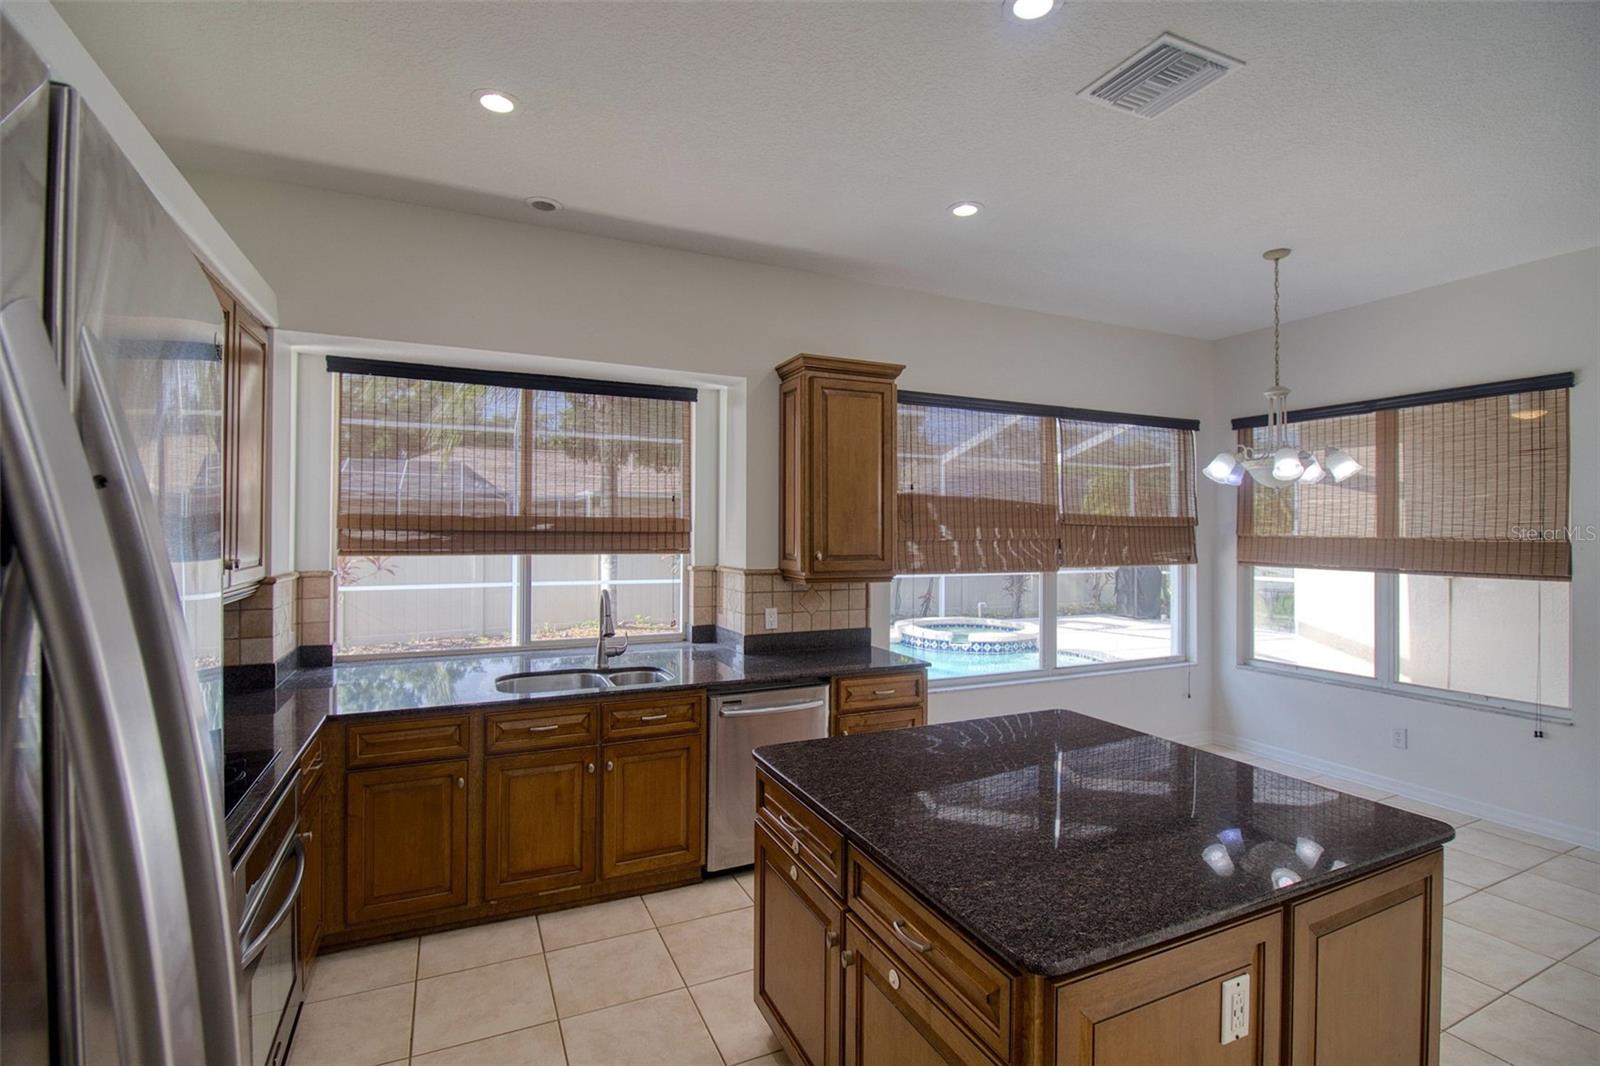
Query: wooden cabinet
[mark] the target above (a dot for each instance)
(837, 461)
(1167, 1006)
(890, 1018)
(873, 703)
(246, 445)
(539, 826)
(653, 808)
(405, 840)
(799, 934)
(1365, 969)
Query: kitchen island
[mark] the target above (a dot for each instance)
(1053, 888)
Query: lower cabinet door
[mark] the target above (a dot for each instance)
(1169, 1006)
(890, 1019)
(799, 926)
(539, 827)
(653, 807)
(405, 840)
(1367, 967)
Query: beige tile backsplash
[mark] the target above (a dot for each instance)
(743, 597)
(314, 607)
(260, 628)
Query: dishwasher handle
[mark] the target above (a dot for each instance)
(760, 712)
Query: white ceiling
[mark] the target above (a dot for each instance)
(1393, 146)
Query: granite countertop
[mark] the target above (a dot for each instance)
(283, 720)
(1059, 841)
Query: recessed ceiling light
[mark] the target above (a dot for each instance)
(543, 203)
(1028, 10)
(966, 208)
(501, 103)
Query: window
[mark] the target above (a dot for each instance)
(1117, 614)
(1499, 641)
(1319, 619)
(481, 509)
(985, 625)
(1442, 567)
(434, 603)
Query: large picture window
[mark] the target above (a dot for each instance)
(1441, 569)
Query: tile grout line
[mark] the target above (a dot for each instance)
(686, 988)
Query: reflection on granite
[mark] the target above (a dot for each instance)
(284, 719)
(1060, 841)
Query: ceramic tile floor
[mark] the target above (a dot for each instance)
(665, 978)
(659, 979)
(1521, 939)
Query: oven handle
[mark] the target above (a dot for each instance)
(251, 950)
(782, 708)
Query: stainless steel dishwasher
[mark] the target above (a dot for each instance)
(740, 723)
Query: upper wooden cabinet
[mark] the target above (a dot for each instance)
(246, 438)
(837, 511)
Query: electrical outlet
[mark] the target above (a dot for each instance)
(772, 618)
(1235, 1008)
(1401, 740)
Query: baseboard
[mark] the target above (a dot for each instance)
(1550, 827)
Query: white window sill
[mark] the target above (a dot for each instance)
(1034, 677)
(1514, 708)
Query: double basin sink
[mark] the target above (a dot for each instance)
(580, 680)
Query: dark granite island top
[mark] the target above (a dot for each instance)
(1058, 841)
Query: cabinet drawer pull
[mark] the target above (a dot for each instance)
(885, 691)
(653, 717)
(542, 728)
(899, 927)
(790, 824)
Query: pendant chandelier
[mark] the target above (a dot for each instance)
(1279, 463)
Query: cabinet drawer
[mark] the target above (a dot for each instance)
(879, 721)
(538, 728)
(961, 975)
(816, 844)
(654, 716)
(407, 740)
(879, 690)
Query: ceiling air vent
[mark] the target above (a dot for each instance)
(1165, 71)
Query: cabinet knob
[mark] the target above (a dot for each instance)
(591, 768)
(847, 957)
(818, 555)
(608, 766)
(794, 872)
(894, 978)
(307, 837)
(461, 782)
(832, 938)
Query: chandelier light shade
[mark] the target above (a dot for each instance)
(1279, 463)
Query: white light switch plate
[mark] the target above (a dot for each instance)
(772, 618)
(1235, 1008)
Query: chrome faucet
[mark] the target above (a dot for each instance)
(603, 651)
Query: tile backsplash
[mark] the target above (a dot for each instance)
(743, 597)
(260, 629)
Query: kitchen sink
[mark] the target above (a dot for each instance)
(580, 680)
(647, 675)
(554, 681)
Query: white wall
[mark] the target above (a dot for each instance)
(355, 267)
(1539, 318)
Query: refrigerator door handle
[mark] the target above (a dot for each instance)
(65, 548)
(16, 637)
(174, 687)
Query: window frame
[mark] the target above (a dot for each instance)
(1386, 657)
(1183, 637)
(522, 612)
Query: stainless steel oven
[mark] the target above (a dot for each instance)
(266, 889)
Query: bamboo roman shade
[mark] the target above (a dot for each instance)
(1464, 482)
(987, 487)
(449, 461)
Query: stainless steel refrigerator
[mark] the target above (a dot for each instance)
(116, 940)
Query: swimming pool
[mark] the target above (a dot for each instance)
(943, 664)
